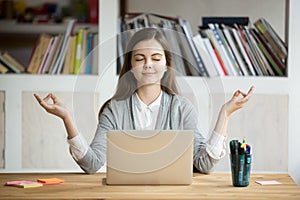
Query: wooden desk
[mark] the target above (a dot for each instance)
(213, 186)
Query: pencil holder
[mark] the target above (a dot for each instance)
(240, 169)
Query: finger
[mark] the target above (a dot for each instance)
(54, 98)
(243, 93)
(245, 99)
(46, 106)
(236, 93)
(38, 98)
(47, 97)
(251, 90)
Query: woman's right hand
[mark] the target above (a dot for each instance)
(55, 108)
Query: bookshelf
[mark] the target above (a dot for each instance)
(16, 88)
(11, 27)
(19, 88)
(269, 90)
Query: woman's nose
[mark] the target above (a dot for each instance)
(148, 64)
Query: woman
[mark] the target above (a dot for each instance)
(147, 98)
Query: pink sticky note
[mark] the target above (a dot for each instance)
(19, 182)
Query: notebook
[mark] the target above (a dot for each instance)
(149, 157)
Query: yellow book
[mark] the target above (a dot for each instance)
(83, 52)
(3, 69)
(73, 54)
(13, 61)
(66, 66)
(78, 52)
(38, 53)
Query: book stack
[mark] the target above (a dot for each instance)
(8, 64)
(178, 33)
(224, 46)
(65, 53)
(232, 47)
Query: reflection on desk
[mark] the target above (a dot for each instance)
(213, 186)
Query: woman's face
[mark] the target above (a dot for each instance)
(148, 62)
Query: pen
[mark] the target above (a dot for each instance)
(241, 164)
(248, 147)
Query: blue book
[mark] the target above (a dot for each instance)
(88, 67)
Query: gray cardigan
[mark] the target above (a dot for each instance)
(176, 112)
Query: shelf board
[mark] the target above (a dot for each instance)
(11, 27)
(229, 84)
(28, 82)
(89, 83)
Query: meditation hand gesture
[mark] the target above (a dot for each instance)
(55, 108)
(236, 102)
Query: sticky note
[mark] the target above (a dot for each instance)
(29, 185)
(272, 182)
(50, 180)
(24, 184)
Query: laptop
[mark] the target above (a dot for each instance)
(149, 157)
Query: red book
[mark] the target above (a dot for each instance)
(221, 63)
(93, 11)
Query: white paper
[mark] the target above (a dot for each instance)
(272, 182)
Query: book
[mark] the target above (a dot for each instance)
(78, 51)
(54, 54)
(13, 61)
(271, 36)
(256, 51)
(73, 53)
(42, 66)
(267, 53)
(228, 51)
(209, 65)
(213, 56)
(244, 55)
(95, 61)
(233, 44)
(58, 64)
(93, 10)
(251, 52)
(67, 61)
(3, 69)
(188, 34)
(219, 52)
(7, 64)
(88, 60)
(263, 57)
(38, 53)
(172, 38)
(83, 55)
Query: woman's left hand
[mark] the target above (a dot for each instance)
(238, 100)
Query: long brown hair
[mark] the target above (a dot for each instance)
(127, 83)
